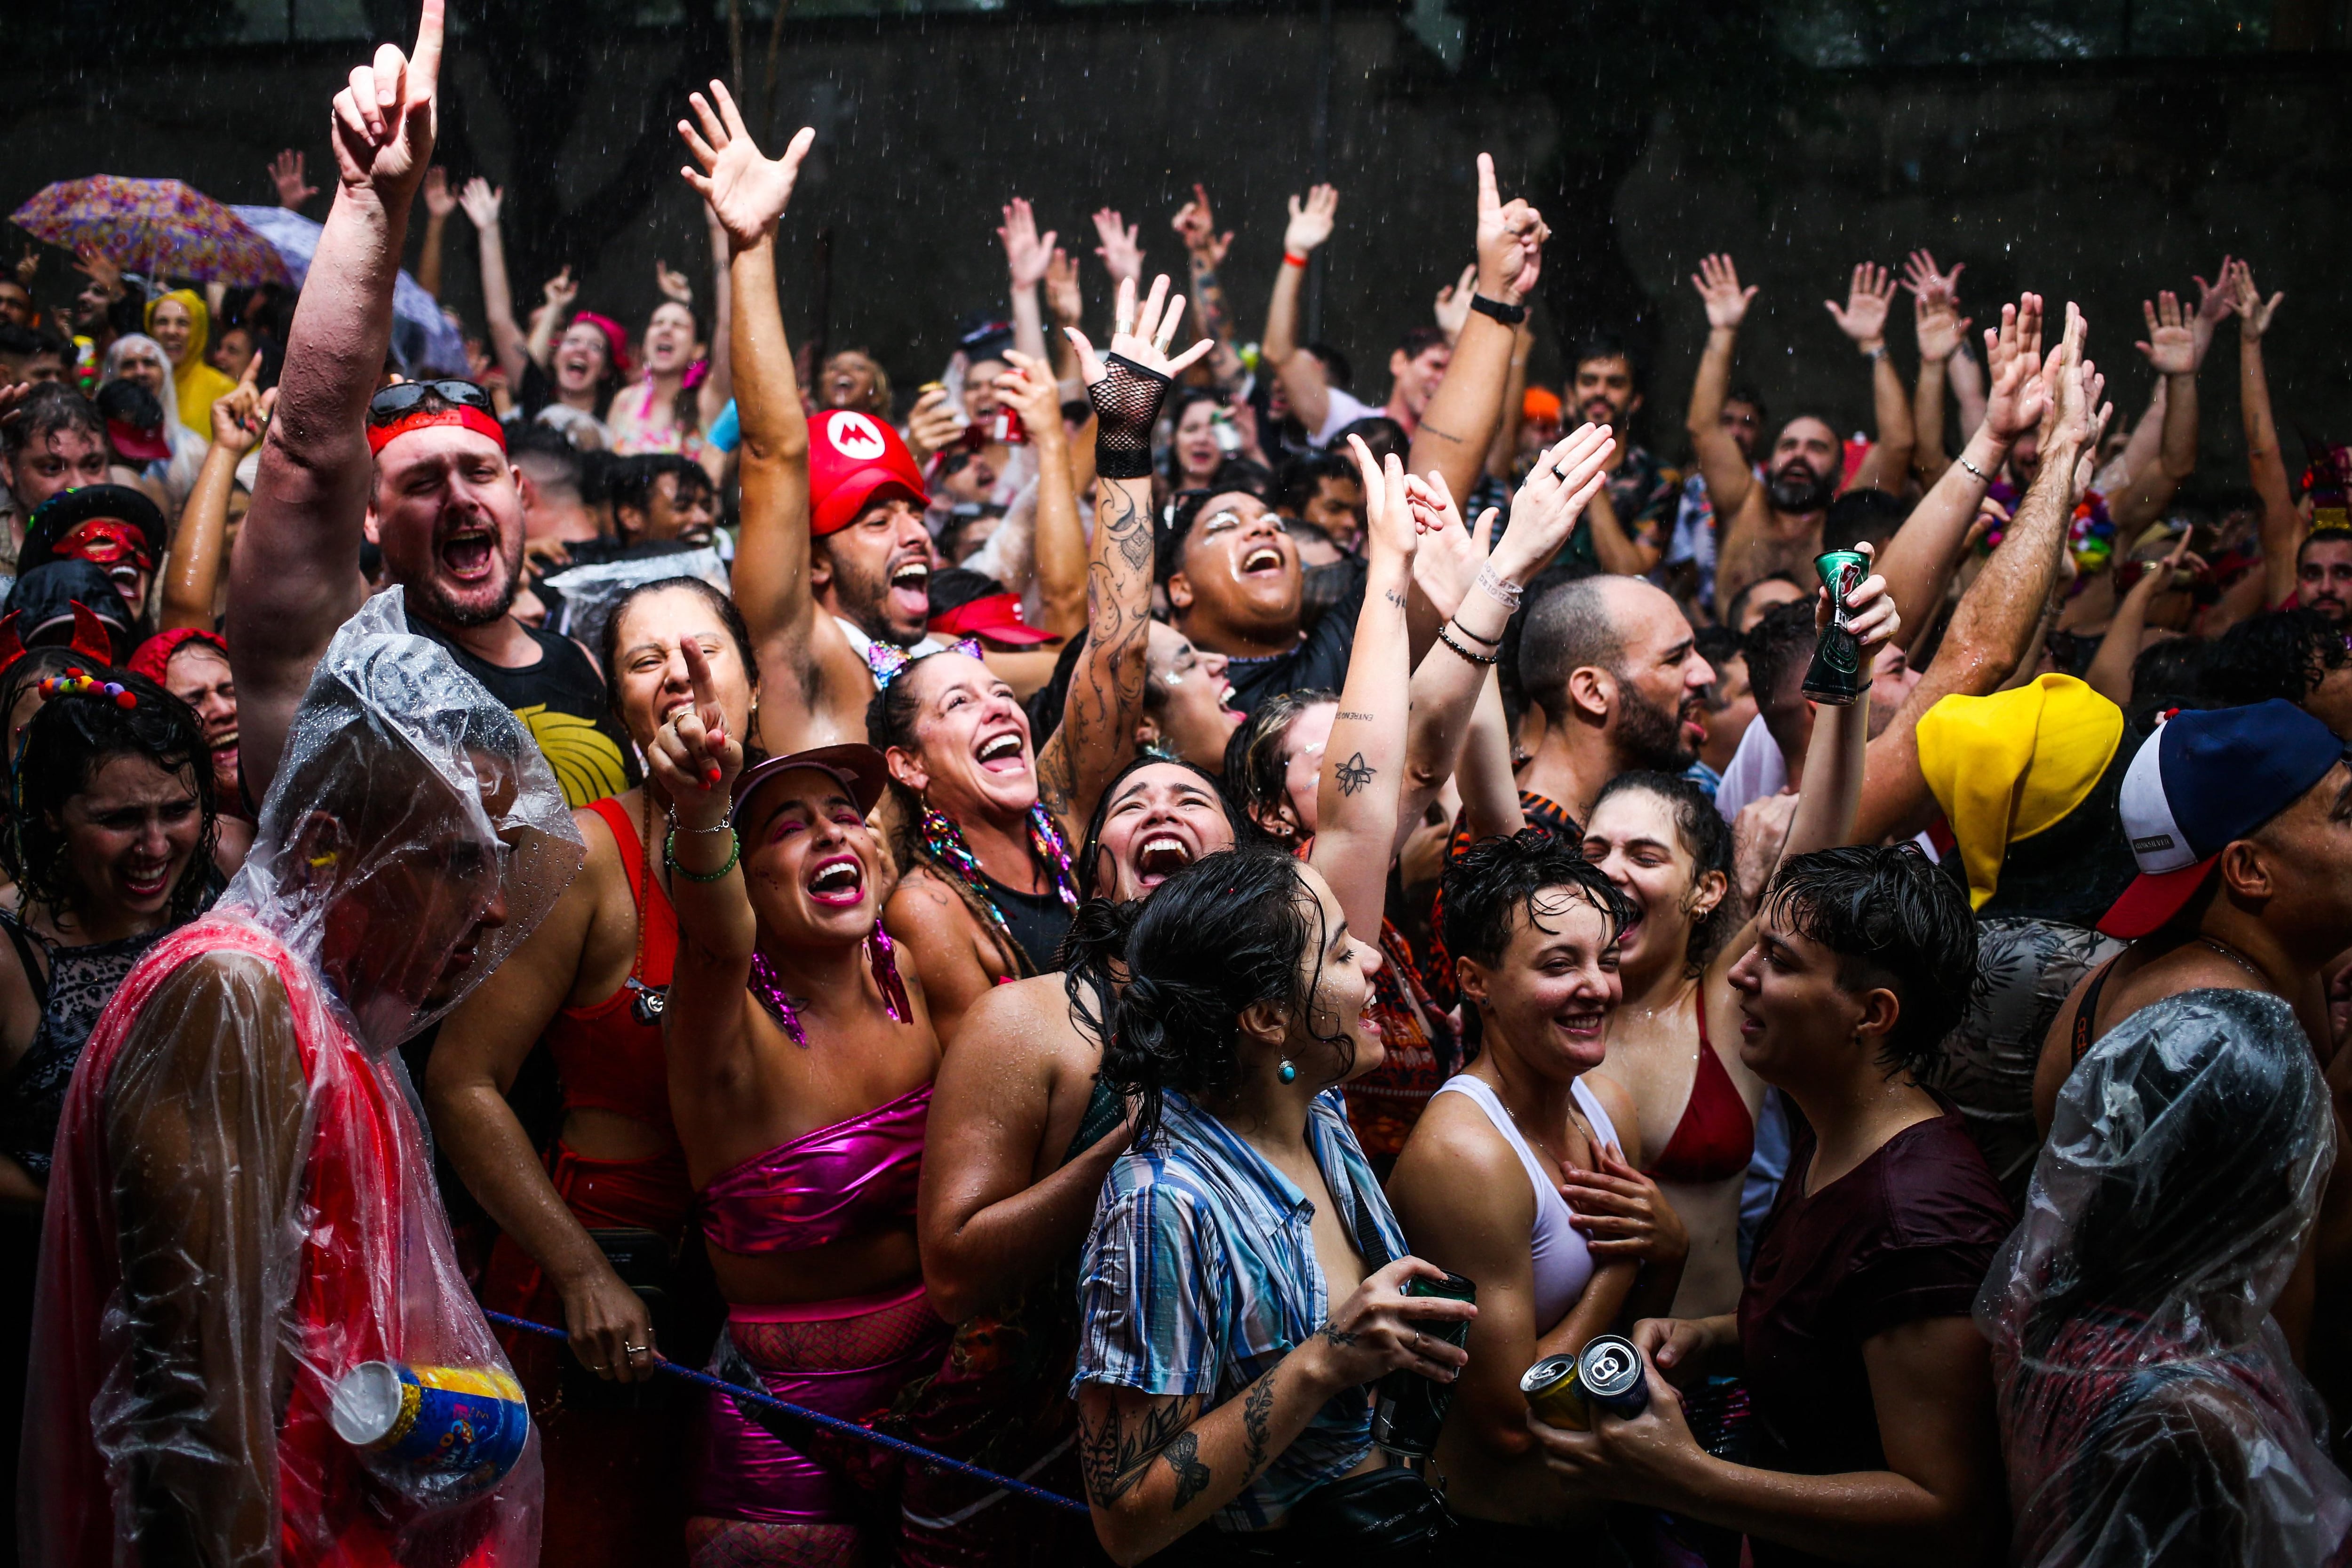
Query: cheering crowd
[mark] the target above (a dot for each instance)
(1131, 918)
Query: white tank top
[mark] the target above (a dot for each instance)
(1563, 1265)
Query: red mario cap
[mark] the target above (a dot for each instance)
(855, 461)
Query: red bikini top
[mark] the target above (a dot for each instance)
(1717, 1137)
(609, 1053)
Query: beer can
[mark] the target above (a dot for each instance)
(1408, 1409)
(1609, 1372)
(1553, 1392)
(464, 1422)
(1006, 426)
(1835, 675)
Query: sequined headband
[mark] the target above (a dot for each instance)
(888, 661)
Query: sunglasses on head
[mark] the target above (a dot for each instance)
(398, 401)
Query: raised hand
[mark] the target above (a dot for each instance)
(2074, 416)
(2016, 396)
(1870, 608)
(673, 284)
(1196, 225)
(28, 266)
(439, 201)
(102, 270)
(1558, 488)
(2253, 314)
(1926, 280)
(1936, 316)
(693, 755)
(1868, 298)
(1063, 301)
(1311, 222)
(1033, 393)
(386, 117)
(1507, 232)
(1446, 563)
(482, 201)
(561, 290)
(1717, 282)
(1141, 336)
(2170, 345)
(240, 413)
(745, 193)
(285, 174)
(1389, 524)
(2212, 306)
(1119, 249)
(1453, 306)
(1027, 253)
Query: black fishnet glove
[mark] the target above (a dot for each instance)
(1126, 401)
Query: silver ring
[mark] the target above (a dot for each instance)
(1416, 1338)
(636, 1349)
(1123, 324)
(1167, 333)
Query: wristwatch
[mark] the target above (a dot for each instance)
(1510, 315)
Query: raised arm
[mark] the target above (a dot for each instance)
(192, 575)
(1027, 255)
(1720, 463)
(696, 762)
(295, 575)
(1097, 734)
(2172, 347)
(1941, 331)
(2110, 670)
(1459, 423)
(482, 201)
(1926, 551)
(1204, 251)
(1364, 763)
(438, 204)
(2282, 529)
(1477, 593)
(718, 388)
(1868, 299)
(816, 685)
(1993, 626)
(1299, 373)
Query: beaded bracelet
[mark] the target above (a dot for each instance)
(1445, 636)
(734, 853)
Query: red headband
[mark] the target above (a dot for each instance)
(381, 435)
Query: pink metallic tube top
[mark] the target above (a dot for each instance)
(853, 1178)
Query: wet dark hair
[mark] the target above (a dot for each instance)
(1604, 346)
(1255, 769)
(1863, 513)
(1706, 839)
(721, 606)
(630, 482)
(1779, 647)
(1894, 920)
(1381, 436)
(1716, 644)
(49, 410)
(1336, 371)
(1231, 930)
(1491, 884)
(65, 745)
(1740, 600)
(1419, 340)
(1301, 479)
(2279, 653)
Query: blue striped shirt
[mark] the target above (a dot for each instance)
(1200, 1274)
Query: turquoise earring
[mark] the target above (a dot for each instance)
(1286, 1072)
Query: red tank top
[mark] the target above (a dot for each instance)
(609, 1053)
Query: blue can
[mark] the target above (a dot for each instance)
(468, 1424)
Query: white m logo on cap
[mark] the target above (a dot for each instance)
(855, 438)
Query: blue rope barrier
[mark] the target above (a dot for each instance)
(819, 1418)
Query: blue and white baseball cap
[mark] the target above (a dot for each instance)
(2206, 777)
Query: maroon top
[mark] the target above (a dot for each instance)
(1907, 1234)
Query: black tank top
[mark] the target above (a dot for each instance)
(1038, 922)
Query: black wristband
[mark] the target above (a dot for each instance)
(1510, 315)
(1126, 402)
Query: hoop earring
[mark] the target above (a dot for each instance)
(1287, 1072)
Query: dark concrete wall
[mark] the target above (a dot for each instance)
(2100, 184)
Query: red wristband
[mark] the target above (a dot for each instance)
(1292, 258)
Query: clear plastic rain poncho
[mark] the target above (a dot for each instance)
(253, 1344)
(2150, 1411)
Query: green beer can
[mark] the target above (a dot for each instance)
(1836, 675)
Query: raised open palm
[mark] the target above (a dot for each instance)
(745, 191)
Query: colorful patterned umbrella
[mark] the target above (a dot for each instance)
(162, 229)
(427, 344)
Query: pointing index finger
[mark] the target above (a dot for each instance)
(424, 61)
(1488, 201)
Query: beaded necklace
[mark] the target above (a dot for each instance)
(944, 844)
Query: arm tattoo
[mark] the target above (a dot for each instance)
(1354, 774)
(1115, 1460)
(1425, 428)
(1192, 1477)
(1394, 597)
(1257, 1414)
(1359, 718)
